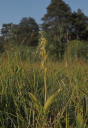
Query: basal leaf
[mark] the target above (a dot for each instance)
(50, 100)
(36, 102)
(79, 121)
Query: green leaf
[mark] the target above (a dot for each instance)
(86, 98)
(79, 121)
(50, 100)
(36, 102)
(85, 107)
(86, 28)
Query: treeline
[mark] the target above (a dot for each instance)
(56, 23)
(26, 31)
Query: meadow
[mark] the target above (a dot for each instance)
(42, 92)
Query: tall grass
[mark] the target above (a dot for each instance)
(20, 76)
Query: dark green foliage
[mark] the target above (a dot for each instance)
(9, 32)
(79, 25)
(78, 49)
(6, 31)
(56, 23)
(75, 23)
(28, 32)
(2, 43)
(25, 33)
(6, 34)
(57, 12)
(82, 51)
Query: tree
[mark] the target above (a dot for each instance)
(5, 31)
(8, 32)
(28, 32)
(2, 43)
(79, 25)
(57, 13)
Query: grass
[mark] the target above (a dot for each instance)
(19, 77)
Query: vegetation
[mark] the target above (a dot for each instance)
(26, 31)
(60, 19)
(43, 80)
(22, 80)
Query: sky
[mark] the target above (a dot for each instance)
(12, 11)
